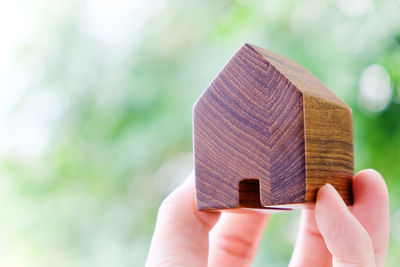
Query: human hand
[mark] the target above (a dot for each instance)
(331, 234)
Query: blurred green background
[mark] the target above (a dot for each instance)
(96, 103)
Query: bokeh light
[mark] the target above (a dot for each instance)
(375, 88)
(356, 8)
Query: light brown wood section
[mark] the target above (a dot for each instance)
(329, 147)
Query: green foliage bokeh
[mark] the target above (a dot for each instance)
(122, 139)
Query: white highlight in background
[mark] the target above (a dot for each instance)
(375, 91)
(355, 8)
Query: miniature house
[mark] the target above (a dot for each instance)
(267, 133)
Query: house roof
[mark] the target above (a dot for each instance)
(299, 76)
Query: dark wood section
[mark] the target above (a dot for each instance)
(260, 140)
(249, 124)
(249, 193)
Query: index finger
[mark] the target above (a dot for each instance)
(181, 233)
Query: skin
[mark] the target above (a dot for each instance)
(332, 234)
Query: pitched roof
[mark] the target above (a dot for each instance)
(299, 76)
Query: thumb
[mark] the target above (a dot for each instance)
(345, 238)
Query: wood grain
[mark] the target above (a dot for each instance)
(329, 149)
(263, 136)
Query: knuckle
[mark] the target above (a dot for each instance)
(166, 206)
(169, 206)
(235, 245)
